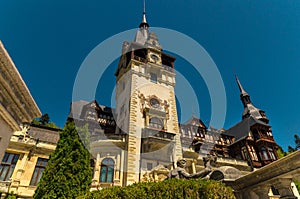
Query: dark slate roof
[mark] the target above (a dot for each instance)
(241, 130)
(195, 121)
(44, 134)
(76, 108)
(253, 111)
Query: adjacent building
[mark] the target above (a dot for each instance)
(16, 103)
(24, 149)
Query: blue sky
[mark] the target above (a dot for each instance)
(257, 40)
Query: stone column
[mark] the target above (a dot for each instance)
(284, 188)
(193, 166)
(117, 173)
(96, 177)
(20, 169)
(262, 191)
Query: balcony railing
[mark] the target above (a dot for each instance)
(140, 59)
(158, 134)
(164, 67)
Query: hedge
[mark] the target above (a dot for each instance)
(174, 188)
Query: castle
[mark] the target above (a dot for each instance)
(141, 135)
(142, 131)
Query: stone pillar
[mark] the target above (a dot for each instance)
(117, 173)
(96, 177)
(20, 169)
(122, 162)
(284, 188)
(262, 191)
(193, 166)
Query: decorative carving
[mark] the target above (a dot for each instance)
(23, 135)
(166, 106)
(157, 174)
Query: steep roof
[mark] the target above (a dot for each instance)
(76, 108)
(195, 121)
(241, 130)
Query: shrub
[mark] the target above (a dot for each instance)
(174, 188)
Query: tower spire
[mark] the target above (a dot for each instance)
(144, 23)
(242, 91)
(249, 108)
(245, 97)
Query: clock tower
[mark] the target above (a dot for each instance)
(146, 106)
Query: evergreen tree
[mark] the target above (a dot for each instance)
(45, 119)
(297, 141)
(68, 172)
(291, 149)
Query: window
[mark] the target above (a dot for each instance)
(264, 153)
(153, 77)
(156, 123)
(38, 171)
(154, 103)
(8, 165)
(252, 153)
(149, 166)
(245, 154)
(271, 152)
(107, 170)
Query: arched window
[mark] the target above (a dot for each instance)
(156, 123)
(107, 170)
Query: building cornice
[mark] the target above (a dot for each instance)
(18, 99)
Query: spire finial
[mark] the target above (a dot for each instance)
(243, 92)
(144, 23)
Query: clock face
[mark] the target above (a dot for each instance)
(154, 57)
(154, 102)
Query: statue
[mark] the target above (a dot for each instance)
(209, 159)
(180, 172)
(143, 100)
(166, 106)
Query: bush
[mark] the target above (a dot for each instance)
(174, 188)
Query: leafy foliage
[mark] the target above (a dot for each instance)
(10, 196)
(298, 185)
(291, 149)
(68, 173)
(173, 188)
(297, 143)
(281, 153)
(44, 121)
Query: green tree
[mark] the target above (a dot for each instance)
(68, 173)
(44, 121)
(281, 153)
(298, 185)
(297, 141)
